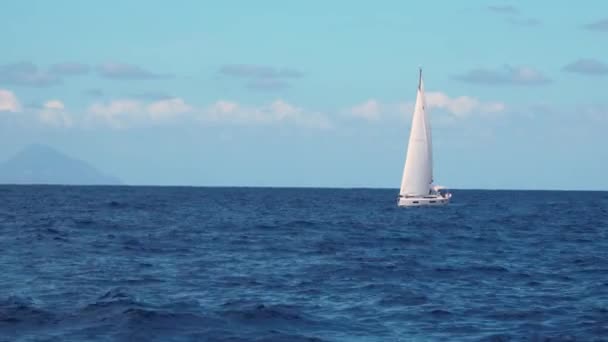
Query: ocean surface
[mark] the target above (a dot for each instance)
(256, 264)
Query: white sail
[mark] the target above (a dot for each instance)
(418, 169)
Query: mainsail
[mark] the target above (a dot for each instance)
(418, 169)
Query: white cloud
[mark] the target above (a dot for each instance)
(54, 104)
(114, 113)
(224, 108)
(9, 102)
(456, 107)
(275, 112)
(123, 113)
(167, 109)
(53, 113)
(462, 106)
(369, 110)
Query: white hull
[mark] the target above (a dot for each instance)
(432, 200)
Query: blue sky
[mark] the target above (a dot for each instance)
(316, 93)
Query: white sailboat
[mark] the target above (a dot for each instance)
(417, 187)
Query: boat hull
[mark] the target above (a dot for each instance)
(423, 201)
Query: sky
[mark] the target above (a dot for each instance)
(310, 93)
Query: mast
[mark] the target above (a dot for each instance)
(427, 122)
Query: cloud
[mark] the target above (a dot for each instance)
(600, 25)
(26, 74)
(125, 112)
(9, 102)
(122, 71)
(258, 71)
(459, 107)
(166, 109)
(513, 15)
(278, 111)
(53, 114)
(146, 96)
(524, 21)
(94, 92)
(507, 75)
(462, 106)
(507, 9)
(69, 69)
(260, 77)
(114, 113)
(369, 110)
(587, 66)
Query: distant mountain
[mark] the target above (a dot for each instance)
(41, 164)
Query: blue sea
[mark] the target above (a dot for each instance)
(279, 264)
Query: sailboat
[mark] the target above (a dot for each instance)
(417, 187)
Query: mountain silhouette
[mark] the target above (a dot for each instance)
(41, 164)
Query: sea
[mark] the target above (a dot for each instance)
(126, 263)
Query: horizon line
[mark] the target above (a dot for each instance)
(280, 187)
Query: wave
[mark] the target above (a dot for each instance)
(403, 299)
(19, 310)
(116, 205)
(262, 314)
